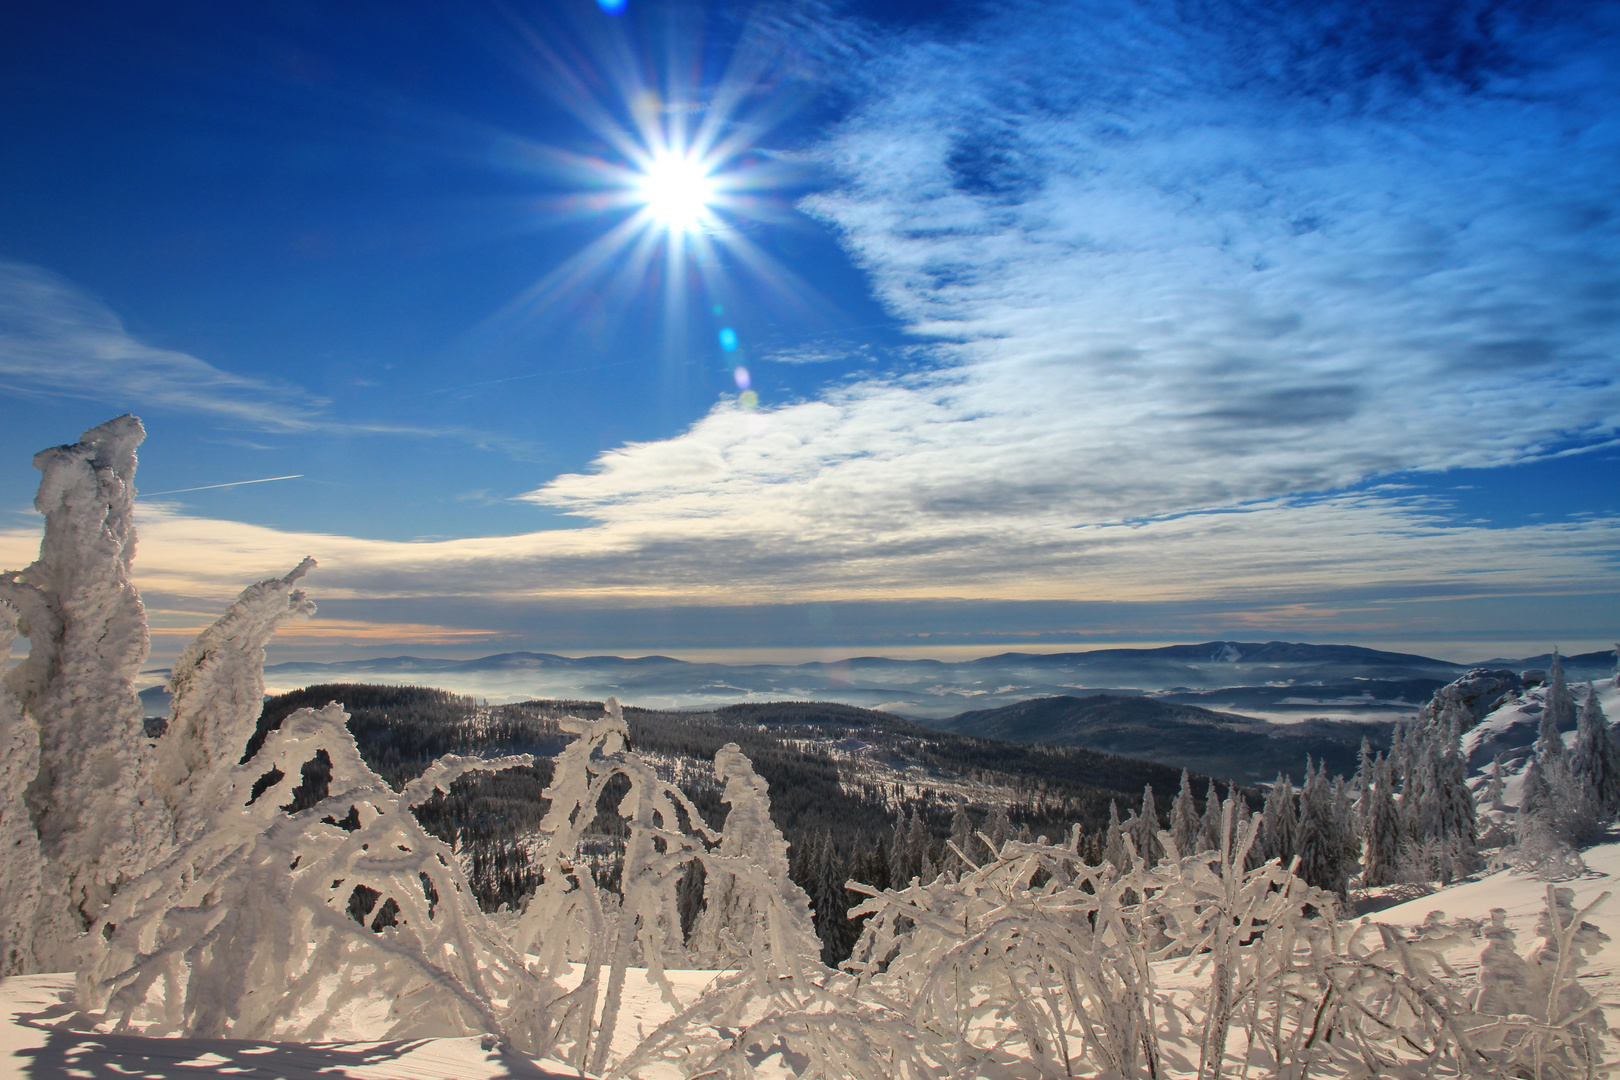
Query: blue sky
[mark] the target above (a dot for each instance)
(1008, 324)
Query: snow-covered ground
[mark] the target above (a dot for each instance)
(37, 1039)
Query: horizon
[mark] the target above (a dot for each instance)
(788, 328)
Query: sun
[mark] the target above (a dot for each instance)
(678, 191)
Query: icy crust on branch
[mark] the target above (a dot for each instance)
(571, 917)
(751, 908)
(315, 924)
(1038, 964)
(19, 843)
(97, 818)
(218, 689)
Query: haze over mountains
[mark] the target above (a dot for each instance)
(1278, 681)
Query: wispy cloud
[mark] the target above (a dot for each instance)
(57, 340)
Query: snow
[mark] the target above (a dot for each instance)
(34, 1041)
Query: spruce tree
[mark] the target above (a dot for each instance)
(1114, 843)
(900, 865)
(1381, 830)
(1458, 823)
(1279, 821)
(1145, 834)
(1210, 832)
(961, 838)
(1558, 715)
(1594, 762)
(1184, 824)
(1315, 843)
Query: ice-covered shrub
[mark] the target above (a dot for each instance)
(19, 842)
(315, 923)
(218, 694)
(1038, 964)
(97, 820)
(571, 917)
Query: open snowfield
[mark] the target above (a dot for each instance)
(38, 1039)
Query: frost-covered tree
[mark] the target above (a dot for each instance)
(1319, 845)
(1209, 838)
(900, 860)
(218, 693)
(961, 845)
(1381, 830)
(1594, 761)
(1185, 825)
(571, 918)
(1144, 831)
(1279, 821)
(271, 923)
(1496, 787)
(98, 821)
(1558, 713)
(1114, 839)
(19, 842)
(751, 905)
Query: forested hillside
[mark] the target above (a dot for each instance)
(857, 793)
(1182, 736)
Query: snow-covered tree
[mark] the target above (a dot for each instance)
(98, 821)
(900, 860)
(218, 694)
(1209, 838)
(1114, 839)
(1594, 761)
(274, 924)
(19, 842)
(1279, 821)
(1185, 825)
(1144, 829)
(961, 844)
(1318, 845)
(1558, 713)
(752, 908)
(1381, 829)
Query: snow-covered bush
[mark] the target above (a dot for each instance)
(218, 694)
(311, 924)
(1038, 964)
(98, 823)
(571, 917)
(19, 842)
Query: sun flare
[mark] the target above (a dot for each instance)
(678, 191)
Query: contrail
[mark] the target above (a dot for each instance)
(210, 487)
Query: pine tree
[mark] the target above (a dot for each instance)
(1381, 830)
(1497, 787)
(1594, 762)
(1114, 843)
(998, 827)
(917, 848)
(1279, 821)
(1458, 823)
(1210, 832)
(1559, 713)
(1145, 833)
(1316, 843)
(900, 865)
(961, 839)
(1184, 824)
